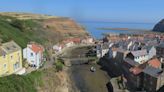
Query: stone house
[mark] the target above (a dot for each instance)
(143, 77)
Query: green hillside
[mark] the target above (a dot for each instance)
(21, 31)
(16, 83)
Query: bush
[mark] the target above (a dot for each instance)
(59, 66)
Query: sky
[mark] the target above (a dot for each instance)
(150, 11)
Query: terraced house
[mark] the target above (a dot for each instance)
(10, 59)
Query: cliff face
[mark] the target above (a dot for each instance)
(159, 27)
(66, 26)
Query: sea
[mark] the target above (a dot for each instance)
(92, 27)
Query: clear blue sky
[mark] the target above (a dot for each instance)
(104, 10)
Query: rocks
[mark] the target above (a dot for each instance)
(159, 27)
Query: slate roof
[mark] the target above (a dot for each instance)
(161, 45)
(131, 62)
(139, 52)
(2, 52)
(10, 47)
(148, 48)
(105, 45)
(155, 72)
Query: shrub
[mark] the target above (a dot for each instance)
(59, 66)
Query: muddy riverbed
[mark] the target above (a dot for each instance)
(82, 78)
(87, 81)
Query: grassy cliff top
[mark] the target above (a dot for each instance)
(42, 29)
(25, 16)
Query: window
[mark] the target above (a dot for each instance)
(11, 57)
(16, 66)
(4, 56)
(32, 54)
(4, 66)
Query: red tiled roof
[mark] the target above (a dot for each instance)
(75, 40)
(135, 70)
(36, 48)
(154, 63)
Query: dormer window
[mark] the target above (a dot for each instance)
(14, 46)
(8, 48)
(4, 56)
(11, 57)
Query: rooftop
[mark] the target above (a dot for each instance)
(36, 48)
(139, 53)
(2, 52)
(161, 45)
(155, 72)
(131, 62)
(154, 63)
(10, 47)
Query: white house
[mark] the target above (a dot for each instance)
(112, 52)
(88, 40)
(139, 56)
(34, 54)
(102, 49)
(58, 48)
(151, 50)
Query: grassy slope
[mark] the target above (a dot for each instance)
(23, 31)
(21, 35)
(15, 83)
(29, 32)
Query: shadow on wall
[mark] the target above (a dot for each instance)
(110, 67)
(161, 89)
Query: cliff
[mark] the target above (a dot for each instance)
(159, 27)
(43, 29)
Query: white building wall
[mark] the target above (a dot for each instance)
(25, 53)
(152, 53)
(141, 59)
(104, 51)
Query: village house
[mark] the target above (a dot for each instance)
(68, 43)
(102, 49)
(143, 77)
(153, 76)
(11, 59)
(139, 56)
(33, 53)
(58, 47)
(160, 50)
(132, 74)
(88, 40)
(160, 53)
(151, 50)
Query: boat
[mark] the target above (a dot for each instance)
(92, 69)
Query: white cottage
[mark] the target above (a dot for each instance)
(34, 54)
(139, 56)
